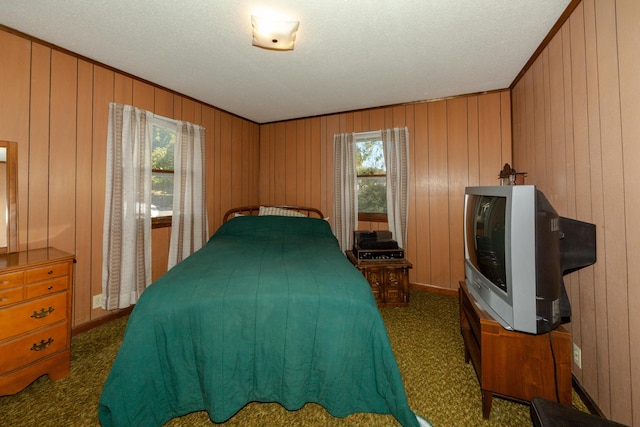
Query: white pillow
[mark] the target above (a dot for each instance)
(272, 210)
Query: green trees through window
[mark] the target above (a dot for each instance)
(372, 182)
(162, 153)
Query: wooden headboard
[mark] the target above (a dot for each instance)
(253, 210)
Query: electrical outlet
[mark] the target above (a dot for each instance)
(97, 301)
(577, 356)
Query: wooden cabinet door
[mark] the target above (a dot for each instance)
(395, 285)
(376, 278)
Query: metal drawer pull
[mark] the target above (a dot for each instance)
(42, 344)
(50, 287)
(50, 272)
(44, 312)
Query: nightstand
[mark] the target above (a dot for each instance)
(389, 279)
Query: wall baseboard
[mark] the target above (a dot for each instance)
(586, 399)
(435, 289)
(101, 321)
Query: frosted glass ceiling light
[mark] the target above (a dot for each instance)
(273, 34)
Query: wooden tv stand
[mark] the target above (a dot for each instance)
(514, 365)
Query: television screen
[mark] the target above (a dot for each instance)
(488, 225)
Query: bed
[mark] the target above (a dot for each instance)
(269, 310)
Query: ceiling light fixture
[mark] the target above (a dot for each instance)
(273, 34)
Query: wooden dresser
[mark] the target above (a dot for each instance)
(389, 279)
(514, 364)
(35, 317)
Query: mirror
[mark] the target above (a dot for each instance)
(8, 196)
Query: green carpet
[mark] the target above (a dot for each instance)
(425, 337)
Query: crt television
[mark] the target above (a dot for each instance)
(517, 249)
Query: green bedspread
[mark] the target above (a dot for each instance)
(269, 310)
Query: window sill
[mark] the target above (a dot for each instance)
(161, 222)
(372, 217)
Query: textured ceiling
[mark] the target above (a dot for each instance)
(349, 54)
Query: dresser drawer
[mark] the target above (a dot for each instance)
(47, 272)
(11, 280)
(10, 296)
(47, 287)
(32, 347)
(24, 317)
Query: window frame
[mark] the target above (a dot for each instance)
(362, 137)
(170, 125)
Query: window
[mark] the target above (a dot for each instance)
(163, 143)
(372, 178)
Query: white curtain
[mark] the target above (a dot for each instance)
(345, 187)
(189, 222)
(395, 143)
(126, 260)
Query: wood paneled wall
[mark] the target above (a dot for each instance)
(453, 143)
(55, 106)
(576, 116)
